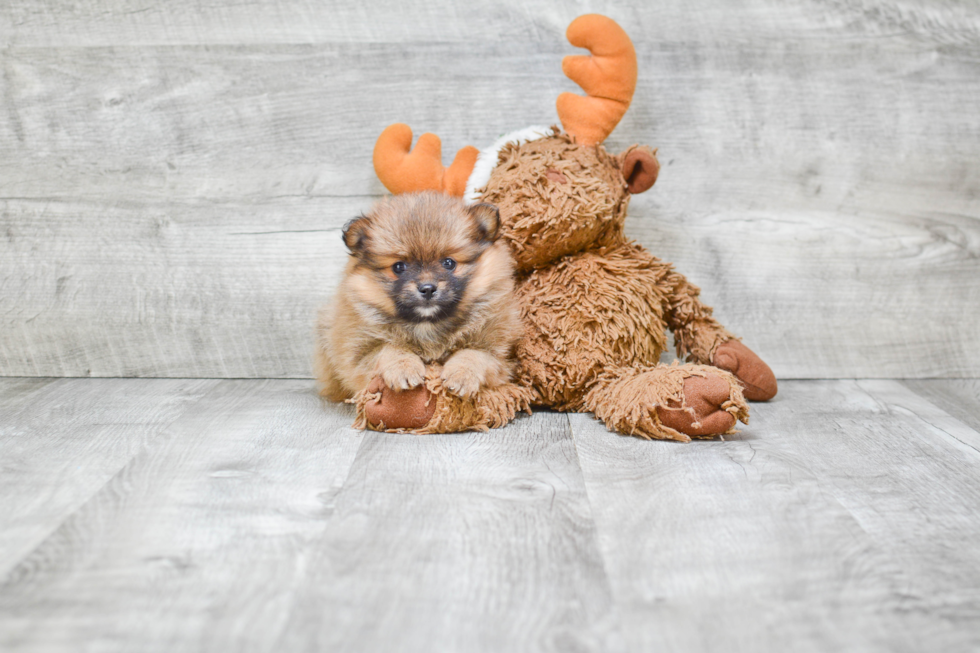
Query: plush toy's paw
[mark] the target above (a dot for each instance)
(403, 372)
(758, 381)
(431, 408)
(398, 409)
(668, 402)
(704, 414)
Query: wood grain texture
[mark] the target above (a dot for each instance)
(250, 122)
(61, 442)
(840, 520)
(184, 22)
(163, 515)
(818, 177)
(470, 542)
(834, 295)
(258, 521)
(173, 289)
(200, 540)
(960, 398)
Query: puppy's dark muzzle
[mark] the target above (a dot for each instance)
(427, 290)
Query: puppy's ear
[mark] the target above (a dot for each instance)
(486, 219)
(355, 234)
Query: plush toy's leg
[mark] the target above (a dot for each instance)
(675, 402)
(431, 408)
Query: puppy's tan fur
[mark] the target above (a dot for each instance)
(361, 334)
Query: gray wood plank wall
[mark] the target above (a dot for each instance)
(173, 176)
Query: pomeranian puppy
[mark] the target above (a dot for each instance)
(427, 282)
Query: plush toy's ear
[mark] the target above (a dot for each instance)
(486, 218)
(355, 234)
(640, 169)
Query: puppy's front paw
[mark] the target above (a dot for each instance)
(461, 381)
(404, 372)
(468, 370)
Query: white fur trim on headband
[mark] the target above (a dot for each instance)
(487, 160)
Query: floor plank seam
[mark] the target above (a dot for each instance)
(7, 574)
(614, 595)
(933, 421)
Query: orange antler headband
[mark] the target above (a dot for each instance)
(607, 75)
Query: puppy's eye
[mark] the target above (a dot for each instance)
(399, 267)
(449, 264)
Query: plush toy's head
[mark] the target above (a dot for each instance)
(557, 197)
(558, 193)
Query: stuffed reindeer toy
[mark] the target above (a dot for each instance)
(595, 306)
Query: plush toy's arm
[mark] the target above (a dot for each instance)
(700, 338)
(696, 333)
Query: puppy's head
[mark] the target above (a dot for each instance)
(416, 254)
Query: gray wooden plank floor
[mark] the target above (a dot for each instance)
(245, 515)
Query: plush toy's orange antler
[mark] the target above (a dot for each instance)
(402, 171)
(608, 77)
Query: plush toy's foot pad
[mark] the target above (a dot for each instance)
(385, 408)
(758, 381)
(431, 408)
(676, 402)
(704, 415)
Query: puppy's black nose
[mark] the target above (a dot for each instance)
(427, 290)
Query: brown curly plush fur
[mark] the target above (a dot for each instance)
(623, 398)
(595, 306)
(553, 177)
